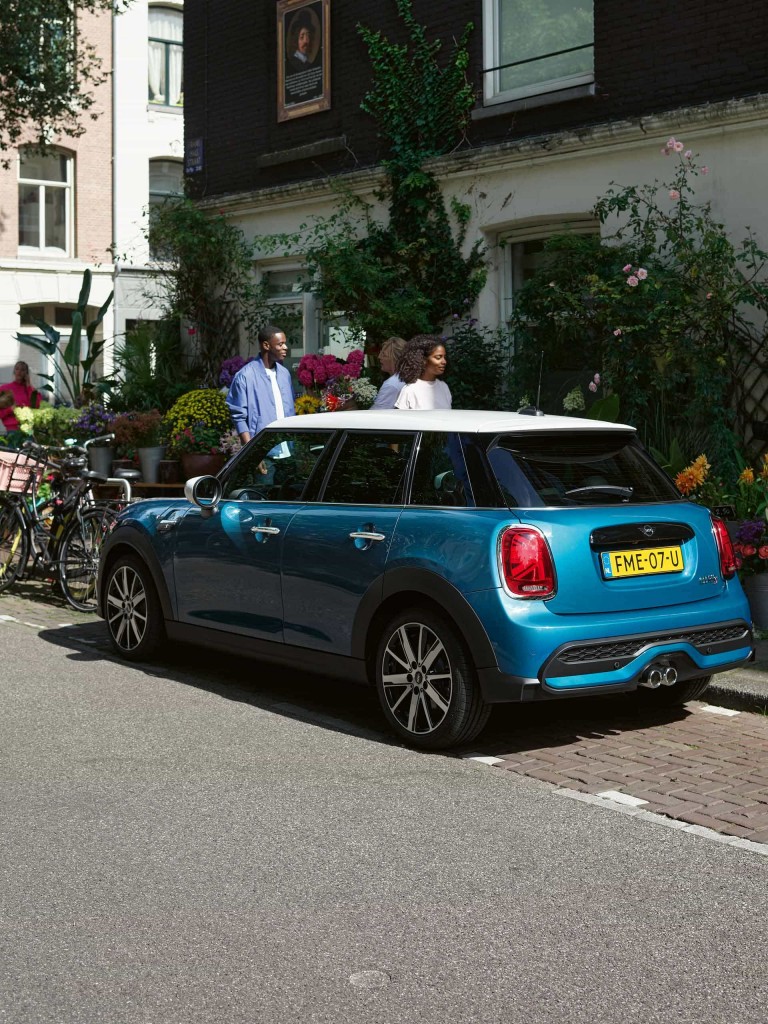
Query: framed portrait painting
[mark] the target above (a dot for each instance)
(303, 57)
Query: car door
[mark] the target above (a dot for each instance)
(227, 565)
(336, 548)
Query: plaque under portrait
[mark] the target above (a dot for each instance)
(303, 57)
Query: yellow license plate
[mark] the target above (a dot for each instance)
(645, 562)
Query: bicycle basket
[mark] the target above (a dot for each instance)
(18, 471)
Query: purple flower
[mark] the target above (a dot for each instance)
(751, 531)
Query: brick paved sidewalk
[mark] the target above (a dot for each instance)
(691, 764)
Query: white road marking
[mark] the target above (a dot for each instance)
(483, 759)
(621, 798)
(713, 710)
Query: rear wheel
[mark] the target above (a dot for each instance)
(132, 609)
(80, 553)
(679, 693)
(426, 682)
(14, 543)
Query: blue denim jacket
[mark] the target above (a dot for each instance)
(250, 399)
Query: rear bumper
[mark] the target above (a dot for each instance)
(617, 664)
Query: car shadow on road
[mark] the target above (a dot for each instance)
(346, 707)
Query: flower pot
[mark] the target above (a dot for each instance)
(169, 471)
(756, 589)
(200, 464)
(100, 459)
(149, 459)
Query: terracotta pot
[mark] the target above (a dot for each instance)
(198, 464)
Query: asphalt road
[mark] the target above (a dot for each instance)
(187, 843)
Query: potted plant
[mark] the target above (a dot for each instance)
(141, 435)
(201, 448)
(95, 421)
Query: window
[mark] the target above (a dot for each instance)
(276, 467)
(370, 470)
(166, 179)
(535, 48)
(523, 252)
(547, 469)
(440, 476)
(45, 202)
(166, 83)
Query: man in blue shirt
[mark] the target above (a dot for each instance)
(261, 392)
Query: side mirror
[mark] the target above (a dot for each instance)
(205, 492)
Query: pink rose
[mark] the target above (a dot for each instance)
(627, 269)
(632, 281)
(642, 274)
(678, 147)
(596, 378)
(688, 154)
(617, 333)
(664, 151)
(592, 386)
(674, 194)
(748, 550)
(672, 142)
(709, 295)
(763, 551)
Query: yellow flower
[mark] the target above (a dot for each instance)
(693, 476)
(747, 476)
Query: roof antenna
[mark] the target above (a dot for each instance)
(534, 410)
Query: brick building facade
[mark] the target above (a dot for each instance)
(537, 153)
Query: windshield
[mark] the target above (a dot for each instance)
(545, 469)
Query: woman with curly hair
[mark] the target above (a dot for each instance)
(421, 366)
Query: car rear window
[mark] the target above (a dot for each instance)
(545, 469)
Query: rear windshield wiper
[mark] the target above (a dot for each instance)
(613, 489)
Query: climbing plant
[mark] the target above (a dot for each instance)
(406, 276)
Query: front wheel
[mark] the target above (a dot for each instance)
(80, 552)
(14, 543)
(426, 682)
(132, 609)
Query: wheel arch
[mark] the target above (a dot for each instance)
(134, 543)
(405, 587)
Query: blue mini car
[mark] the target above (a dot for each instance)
(452, 559)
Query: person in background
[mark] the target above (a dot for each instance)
(390, 352)
(261, 391)
(23, 394)
(421, 367)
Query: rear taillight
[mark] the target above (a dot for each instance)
(525, 562)
(728, 565)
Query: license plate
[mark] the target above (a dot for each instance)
(646, 562)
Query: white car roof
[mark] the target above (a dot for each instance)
(467, 421)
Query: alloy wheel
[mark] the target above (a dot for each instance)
(126, 608)
(417, 678)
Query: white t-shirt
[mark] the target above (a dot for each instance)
(280, 451)
(424, 394)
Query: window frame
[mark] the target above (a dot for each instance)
(166, 103)
(68, 188)
(492, 65)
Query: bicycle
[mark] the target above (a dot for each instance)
(62, 533)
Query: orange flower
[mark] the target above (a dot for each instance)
(747, 476)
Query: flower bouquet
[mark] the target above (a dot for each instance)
(751, 546)
(134, 430)
(349, 393)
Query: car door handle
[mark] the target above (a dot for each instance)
(271, 530)
(164, 525)
(367, 535)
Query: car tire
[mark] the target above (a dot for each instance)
(132, 609)
(426, 682)
(679, 693)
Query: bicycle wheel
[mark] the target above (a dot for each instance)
(80, 552)
(14, 543)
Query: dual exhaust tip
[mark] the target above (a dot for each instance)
(658, 675)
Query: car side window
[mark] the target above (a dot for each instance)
(440, 475)
(370, 469)
(276, 466)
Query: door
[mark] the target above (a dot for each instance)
(227, 566)
(336, 549)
